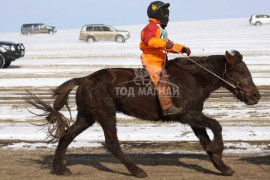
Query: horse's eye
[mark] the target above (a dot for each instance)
(241, 71)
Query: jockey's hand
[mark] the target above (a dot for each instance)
(169, 45)
(186, 50)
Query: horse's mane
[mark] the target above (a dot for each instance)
(207, 61)
(184, 60)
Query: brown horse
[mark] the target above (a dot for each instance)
(100, 95)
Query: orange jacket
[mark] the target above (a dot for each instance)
(153, 40)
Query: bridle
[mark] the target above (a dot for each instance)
(235, 84)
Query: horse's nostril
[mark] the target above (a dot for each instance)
(257, 95)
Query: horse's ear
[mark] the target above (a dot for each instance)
(229, 58)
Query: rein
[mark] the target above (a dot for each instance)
(235, 87)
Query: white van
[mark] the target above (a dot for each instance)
(258, 20)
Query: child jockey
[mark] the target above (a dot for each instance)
(154, 45)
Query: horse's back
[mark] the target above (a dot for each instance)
(127, 90)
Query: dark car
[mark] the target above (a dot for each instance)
(9, 51)
(36, 28)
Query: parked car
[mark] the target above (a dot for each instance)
(10, 51)
(258, 20)
(35, 28)
(102, 32)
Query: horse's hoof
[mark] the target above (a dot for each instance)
(139, 173)
(62, 172)
(228, 172)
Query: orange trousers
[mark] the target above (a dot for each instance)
(155, 68)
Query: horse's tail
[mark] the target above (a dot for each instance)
(56, 120)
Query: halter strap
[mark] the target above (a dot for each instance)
(237, 83)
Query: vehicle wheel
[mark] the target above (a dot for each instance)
(51, 32)
(120, 39)
(7, 64)
(91, 40)
(2, 61)
(258, 23)
(29, 33)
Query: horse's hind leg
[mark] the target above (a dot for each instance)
(112, 144)
(79, 126)
(215, 157)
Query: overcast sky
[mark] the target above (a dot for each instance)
(73, 14)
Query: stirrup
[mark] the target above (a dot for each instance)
(173, 111)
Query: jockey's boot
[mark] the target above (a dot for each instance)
(174, 111)
(168, 109)
(164, 95)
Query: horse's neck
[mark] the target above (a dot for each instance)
(215, 64)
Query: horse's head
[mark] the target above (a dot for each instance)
(237, 73)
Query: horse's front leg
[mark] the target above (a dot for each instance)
(198, 120)
(215, 157)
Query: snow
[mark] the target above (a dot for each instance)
(50, 60)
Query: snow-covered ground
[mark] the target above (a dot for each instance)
(51, 60)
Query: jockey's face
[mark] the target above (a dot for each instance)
(165, 13)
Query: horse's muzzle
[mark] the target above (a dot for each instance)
(253, 98)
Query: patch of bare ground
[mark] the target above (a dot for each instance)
(95, 163)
